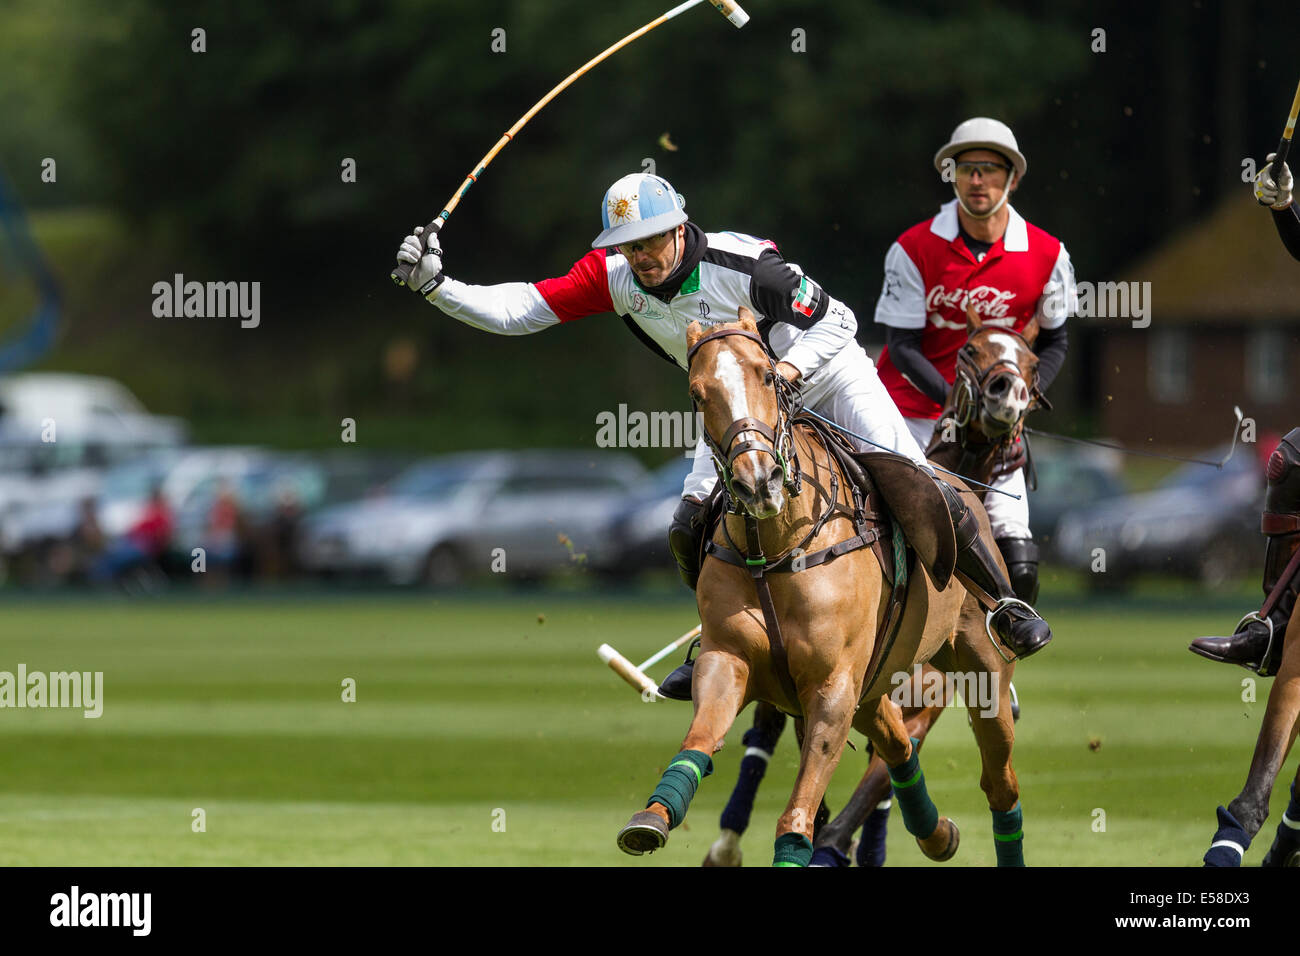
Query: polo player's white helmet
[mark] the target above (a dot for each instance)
(981, 132)
(638, 206)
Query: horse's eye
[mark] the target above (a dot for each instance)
(697, 396)
(768, 378)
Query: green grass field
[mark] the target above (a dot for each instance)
(486, 732)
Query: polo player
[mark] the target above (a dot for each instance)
(659, 271)
(977, 249)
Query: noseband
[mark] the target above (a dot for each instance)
(972, 380)
(781, 442)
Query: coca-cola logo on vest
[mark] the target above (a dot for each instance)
(992, 305)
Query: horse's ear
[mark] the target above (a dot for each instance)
(693, 333)
(1030, 331)
(747, 320)
(973, 322)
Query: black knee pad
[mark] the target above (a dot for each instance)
(684, 536)
(1021, 557)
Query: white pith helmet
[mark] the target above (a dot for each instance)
(638, 206)
(981, 132)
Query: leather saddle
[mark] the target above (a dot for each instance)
(908, 494)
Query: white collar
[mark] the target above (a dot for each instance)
(1015, 239)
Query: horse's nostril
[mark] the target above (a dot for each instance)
(741, 487)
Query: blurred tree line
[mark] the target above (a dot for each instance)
(815, 125)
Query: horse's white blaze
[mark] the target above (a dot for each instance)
(732, 377)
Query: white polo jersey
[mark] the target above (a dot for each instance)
(803, 325)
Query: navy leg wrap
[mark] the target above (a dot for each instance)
(828, 856)
(758, 750)
(1009, 836)
(1230, 842)
(871, 847)
(920, 815)
(677, 785)
(1287, 841)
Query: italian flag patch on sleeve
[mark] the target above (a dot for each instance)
(805, 297)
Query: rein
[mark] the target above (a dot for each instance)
(752, 558)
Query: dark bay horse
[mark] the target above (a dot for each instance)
(976, 435)
(824, 660)
(1242, 819)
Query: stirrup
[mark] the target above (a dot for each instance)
(1262, 664)
(1002, 605)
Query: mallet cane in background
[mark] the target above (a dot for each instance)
(727, 8)
(1284, 145)
(636, 675)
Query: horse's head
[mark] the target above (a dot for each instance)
(997, 376)
(734, 385)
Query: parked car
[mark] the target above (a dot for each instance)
(640, 526)
(1201, 522)
(1068, 479)
(444, 519)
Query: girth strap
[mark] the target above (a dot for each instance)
(776, 646)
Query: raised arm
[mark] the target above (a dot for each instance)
(508, 308)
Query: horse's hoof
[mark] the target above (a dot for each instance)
(725, 850)
(948, 847)
(644, 833)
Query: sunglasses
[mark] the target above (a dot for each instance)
(986, 169)
(648, 244)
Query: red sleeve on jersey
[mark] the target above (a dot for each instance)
(584, 291)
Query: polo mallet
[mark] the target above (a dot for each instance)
(727, 8)
(1284, 144)
(636, 675)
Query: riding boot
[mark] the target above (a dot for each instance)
(1021, 557)
(1017, 624)
(685, 536)
(677, 685)
(1257, 642)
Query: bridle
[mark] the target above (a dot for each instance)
(780, 442)
(968, 390)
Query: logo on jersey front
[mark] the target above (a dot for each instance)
(990, 304)
(704, 310)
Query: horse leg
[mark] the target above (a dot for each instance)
(760, 741)
(720, 687)
(937, 836)
(1245, 815)
(985, 680)
(1285, 850)
(869, 806)
(828, 715)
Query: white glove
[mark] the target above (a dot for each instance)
(1269, 193)
(426, 260)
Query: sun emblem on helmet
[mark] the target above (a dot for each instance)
(620, 210)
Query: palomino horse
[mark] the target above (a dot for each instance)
(822, 657)
(1245, 815)
(995, 387)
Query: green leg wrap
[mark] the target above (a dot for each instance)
(1009, 837)
(920, 815)
(792, 849)
(677, 785)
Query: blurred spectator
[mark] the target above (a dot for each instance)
(282, 533)
(74, 559)
(144, 543)
(222, 536)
